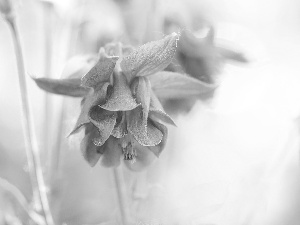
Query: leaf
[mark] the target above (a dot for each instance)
(68, 87)
(90, 152)
(151, 57)
(171, 85)
(141, 89)
(104, 121)
(121, 97)
(95, 97)
(144, 132)
(101, 72)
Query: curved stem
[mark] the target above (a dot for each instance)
(18, 196)
(34, 164)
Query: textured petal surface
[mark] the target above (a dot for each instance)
(68, 87)
(144, 132)
(158, 148)
(95, 97)
(101, 72)
(120, 129)
(121, 98)
(161, 115)
(104, 121)
(155, 103)
(151, 57)
(145, 155)
(112, 153)
(141, 89)
(170, 85)
(90, 152)
(157, 111)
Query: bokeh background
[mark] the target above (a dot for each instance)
(233, 159)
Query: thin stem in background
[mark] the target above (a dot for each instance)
(53, 173)
(17, 195)
(122, 202)
(34, 164)
(47, 8)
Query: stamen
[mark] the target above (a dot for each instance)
(129, 153)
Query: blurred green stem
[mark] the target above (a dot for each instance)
(122, 202)
(12, 191)
(47, 9)
(34, 164)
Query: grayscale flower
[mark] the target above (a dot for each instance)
(120, 112)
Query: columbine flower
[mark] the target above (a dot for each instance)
(198, 53)
(121, 113)
(199, 56)
(202, 58)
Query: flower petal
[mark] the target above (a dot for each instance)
(158, 148)
(144, 132)
(157, 111)
(104, 121)
(155, 103)
(101, 72)
(141, 89)
(90, 152)
(112, 154)
(68, 87)
(170, 85)
(120, 129)
(121, 97)
(158, 114)
(113, 49)
(143, 157)
(231, 54)
(151, 57)
(95, 97)
(195, 47)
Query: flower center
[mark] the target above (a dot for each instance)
(129, 152)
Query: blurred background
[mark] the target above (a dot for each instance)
(233, 157)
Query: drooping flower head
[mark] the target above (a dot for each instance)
(6, 9)
(120, 112)
(199, 54)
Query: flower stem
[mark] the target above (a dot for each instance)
(47, 7)
(118, 179)
(34, 164)
(18, 197)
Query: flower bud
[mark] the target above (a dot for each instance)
(5, 7)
